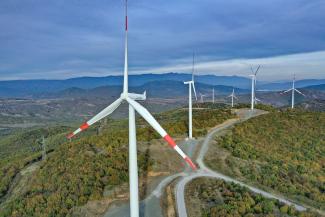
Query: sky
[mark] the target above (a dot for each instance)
(58, 39)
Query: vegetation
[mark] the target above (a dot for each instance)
(312, 105)
(257, 106)
(282, 150)
(212, 198)
(22, 147)
(81, 170)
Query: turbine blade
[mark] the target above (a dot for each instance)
(258, 100)
(252, 70)
(193, 66)
(258, 68)
(126, 67)
(287, 91)
(152, 121)
(236, 97)
(299, 92)
(194, 91)
(136, 96)
(107, 111)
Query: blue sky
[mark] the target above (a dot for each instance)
(60, 39)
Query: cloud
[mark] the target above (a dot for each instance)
(39, 38)
(304, 65)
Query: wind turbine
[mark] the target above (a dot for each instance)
(43, 149)
(202, 95)
(232, 95)
(293, 90)
(190, 85)
(42, 145)
(213, 95)
(253, 97)
(131, 99)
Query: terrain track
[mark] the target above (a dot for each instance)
(204, 171)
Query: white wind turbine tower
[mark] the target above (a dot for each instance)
(232, 95)
(190, 85)
(202, 95)
(253, 97)
(212, 95)
(293, 90)
(43, 149)
(131, 98)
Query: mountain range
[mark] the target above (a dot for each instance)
(154, 89)
(155, 84)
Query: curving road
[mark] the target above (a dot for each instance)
(204, 171)
(150, 206)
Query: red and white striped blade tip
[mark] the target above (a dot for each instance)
(70, 135)
(173, 145)
(192, 165)
(83, 127)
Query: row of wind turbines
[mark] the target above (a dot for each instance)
(254, 99)
(131, 99)
(232, 95)
(191, 85)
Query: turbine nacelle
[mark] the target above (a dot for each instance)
(253, 76)
(135, 96)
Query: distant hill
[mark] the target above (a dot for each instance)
(287, 85)
(28, 88)
(320, 87)
(32, 88)
(155, 89)
(313, 105)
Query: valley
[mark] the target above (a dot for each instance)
(162, 109)
(102, 183)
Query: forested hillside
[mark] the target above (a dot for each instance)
(282, 150)
(96, 162)
(23, 147)
(214, 198)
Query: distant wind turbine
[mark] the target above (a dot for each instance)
(232, 95)
(212, 95)
(202, 95)
(190, 85)
(293, 90)
(253, 96)
(42, 145)
(131, 99)
(43, 149)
